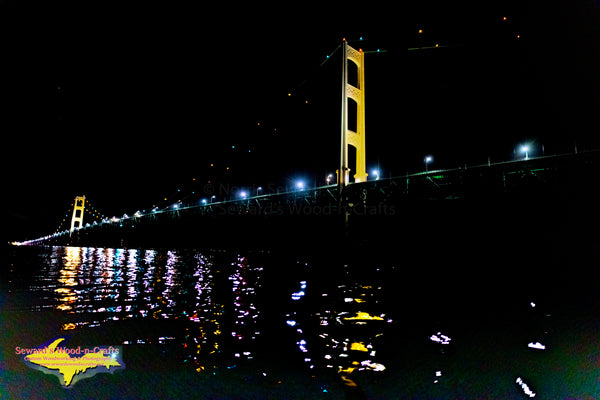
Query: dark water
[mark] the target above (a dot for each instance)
(267, 325)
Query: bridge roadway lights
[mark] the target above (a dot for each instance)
(537, 178)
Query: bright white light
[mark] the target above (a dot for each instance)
(427, 161)
(525, 388)
(525, 150)
(243, 194)
(297, 295)
(439, 338)
(302, 345)
(372, 365)
(300, 185)
(536, 345)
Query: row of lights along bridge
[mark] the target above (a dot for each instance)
(242, 194)
(239, 193)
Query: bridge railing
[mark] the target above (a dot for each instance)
(492, 178)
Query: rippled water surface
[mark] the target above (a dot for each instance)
(217, 324)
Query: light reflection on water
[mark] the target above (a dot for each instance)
(213, 304)
(220, 311)
(343, 330)
(92, 287)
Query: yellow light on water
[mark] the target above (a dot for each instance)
(358, 346)
(360, 315)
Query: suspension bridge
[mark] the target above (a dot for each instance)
(356, 208)
(348, 208)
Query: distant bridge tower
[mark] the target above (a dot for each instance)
(77, 219)
(351, 138)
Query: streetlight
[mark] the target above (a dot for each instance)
(243, 194)
(427, 161)
(375, 173)
(258, 189)
(328, 179)
(525, 149)
(300, 185)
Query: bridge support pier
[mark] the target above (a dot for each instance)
(349, 137)
(77, 218)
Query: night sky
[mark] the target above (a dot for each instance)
(129, 103)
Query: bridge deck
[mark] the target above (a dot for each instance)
(539, 176)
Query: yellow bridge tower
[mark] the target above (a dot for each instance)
(349, 137)
(77, 219)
